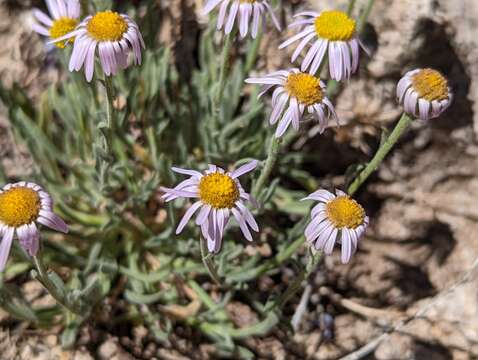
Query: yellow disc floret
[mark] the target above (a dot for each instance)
(305, 87)
(19, 206)
(430, 85)
(60, 27)
(345, 212)
(218, 190)
(334, 26)
(107, 26)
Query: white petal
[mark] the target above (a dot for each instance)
(189, 213)
(52, 220)
(186, 171)
(242, 224)
(244, 169)
(5, 246)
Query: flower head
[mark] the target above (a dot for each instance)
(331, 31)
(424, 93)
(295, 92)
(336, 218)
(115, 35)
(246, 10)
(22, 205)
(63, 19)
(219, 194)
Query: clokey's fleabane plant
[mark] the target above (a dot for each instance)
(337, 218)
(63, 19)
(295, 92)
(115, 35)
(22, 205)
(328, 31)
(424, 93)
(246, 11)
(220, 193)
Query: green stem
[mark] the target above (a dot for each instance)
(110, 116)
(292, 288)
(84, 8)
(351, 6)
(222, 72)
(364, 15)
(252, 53)
(270, 162)
(296, 285)
(58, 295)
(275, 263)
(208, 263)
(384, 149)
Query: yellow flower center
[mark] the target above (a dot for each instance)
(19, 206)
(218, 190)
(304, 87)
(60, 27)
(345, 212)
(430, 85)
(107, 26)
(334, 26)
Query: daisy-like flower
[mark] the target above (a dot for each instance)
(331, 31)
(295, 92)
(246, 11)
(115, 35)
(219, 194)
(22, 205)
(63, 19)
(336, 218)
(424, 93)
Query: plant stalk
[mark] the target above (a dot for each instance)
(222, 72)
(84, 8)
(274, 148)
(384, 149)
(45, 280)
(110, 116)
(350, 7)
(207, 261)
(364, 16)
(252, 53)
(312, 263)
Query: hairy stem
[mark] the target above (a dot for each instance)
(207, 261)
(364, 15)
(56, 293)
(350, 7)
(110, 116)
(84, 8)
(384, 149)
(222, 72)
(252, 53)
(270, 162)
(296, 285)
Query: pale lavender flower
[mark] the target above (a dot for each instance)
(295, 92)
(64, 17)
(219, 194)
(424, 93)
(115, 35)
(22, 205)
(328, 31)
(336, 218)
(249, 13)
